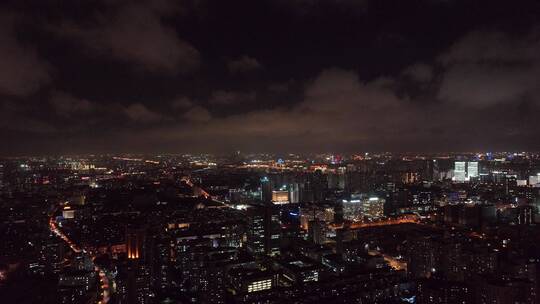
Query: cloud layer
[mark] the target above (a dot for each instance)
(22, 71)
(169, 76)
(136, 33)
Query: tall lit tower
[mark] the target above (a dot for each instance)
(460, 171)
(266, 189)
(472, 170)
(264, 230)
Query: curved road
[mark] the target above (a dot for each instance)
(105, 290)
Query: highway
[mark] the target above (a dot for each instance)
(201, 191)
(104, 287)
(404, 219)
(395, 263)
(188, 182)
(386, 222)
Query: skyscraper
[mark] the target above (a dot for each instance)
(465, 171)
(472, 170)
(316, 231)
(460, 171)
(255, 230)
(431, 170)
(362, 206)
(294, 193)
(264, 230)
(266, 189)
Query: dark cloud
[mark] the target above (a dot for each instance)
(22, 71)
(278, 87)
(488, 68)
(484, 47)
(306, 7)
(138, 112)
(182, 103)
(14, 117)
(222, 97)
(419, 72)
(197, 114)
(342, 112)
(483, 86)
(66, 104)
(243, 64)
(338, 109)
(136, 33)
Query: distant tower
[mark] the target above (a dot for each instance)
(472, 170)
(316, 231)
(266, 190)
(460, 171)
(526, 215)
(431, 170)
(294, 193)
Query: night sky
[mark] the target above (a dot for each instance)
(99, 76)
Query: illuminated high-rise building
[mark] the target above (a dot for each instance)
(255, 230)
(526, 215)
(373, 208)
(362, 206)
(264, 230)
(460, 171)
(294, 193)
(465, 171)
(280, 197)
(266, 189)
(472, 170)
(534, 180)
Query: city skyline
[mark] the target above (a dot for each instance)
(163, 76)
(373, 228)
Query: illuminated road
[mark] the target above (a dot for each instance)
(105, 290)
(104, 286)
(188, 182)
(54, 228)
(395, 263)
(404, 219)
(202, 192)
(388, 222)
